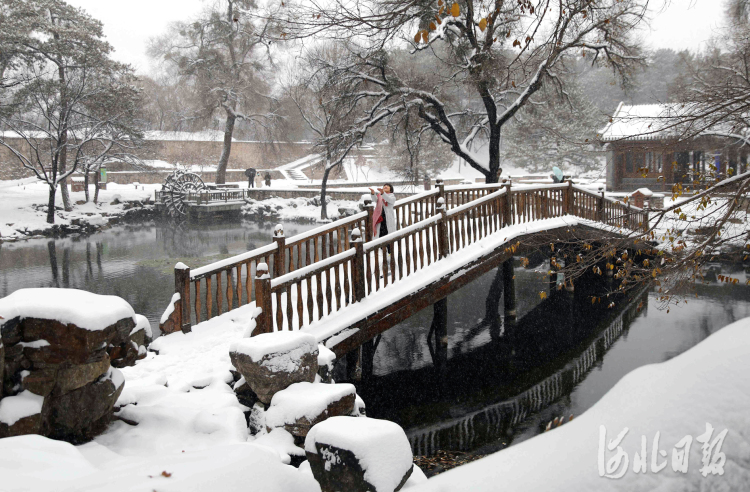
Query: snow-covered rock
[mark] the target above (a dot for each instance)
(87, 311)
(271, 362)
(303, 405)
(325, 363)
(359, 454)
(56, 360)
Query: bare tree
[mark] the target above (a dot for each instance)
(487, 59)
(317, 96)
(67, 93)
(555, 132)
(224, 54)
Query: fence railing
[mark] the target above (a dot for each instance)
(299, 280)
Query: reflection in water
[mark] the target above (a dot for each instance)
(132, 261)
(499, 383)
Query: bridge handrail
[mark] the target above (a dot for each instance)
(327, 249)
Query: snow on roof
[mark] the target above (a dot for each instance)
(643, 122)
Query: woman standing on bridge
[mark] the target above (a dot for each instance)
(384, 215)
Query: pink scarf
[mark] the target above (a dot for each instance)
(377, 215)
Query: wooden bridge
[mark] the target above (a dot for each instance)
(341, 285)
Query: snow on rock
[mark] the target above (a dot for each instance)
(142, 323)
(347, 453)
(88, 311)
(325, 363)
(360, 410)
(708, 384)
(417, 477)
(302, 405)
(282, 442)
(170, 308)
(270, 362)
(24, 404)
(36, 464)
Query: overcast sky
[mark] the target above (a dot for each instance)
(129, 25)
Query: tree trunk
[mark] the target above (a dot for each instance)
(96, 186)
(323, 210)
(86, 184)
(51, 205)
(62, 161)
(221, 170)
(494, 162)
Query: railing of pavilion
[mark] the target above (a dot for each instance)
(316, 273)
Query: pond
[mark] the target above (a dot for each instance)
(501, 381)
(505, 380)
(135, 262)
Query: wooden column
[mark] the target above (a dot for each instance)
(442, 227)
(508, 215)
(279, 258)
(182, 287)
(568, 199)
(264, 321)
(509, 289)
(441, 188)
(600, 210)
(358, 265)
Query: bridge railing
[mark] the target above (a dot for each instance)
(230, 283)
(300, 280)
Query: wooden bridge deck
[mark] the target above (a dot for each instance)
(339, 284)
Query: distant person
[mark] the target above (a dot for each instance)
(250, 173)
(268, 180)
(258, 181)
(384, 215)
(557, 175)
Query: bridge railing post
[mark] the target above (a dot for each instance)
(568, 199)
(369, 207)
(441, 188)
(264, 321)
(627, 216)
(358, 265)
(508, 211)
(182, 287)
(600, 208)
(279, 258)
(442, 228)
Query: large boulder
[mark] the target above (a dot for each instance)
(56, 374)
(271, 362)
(359, 455)
(303, 405)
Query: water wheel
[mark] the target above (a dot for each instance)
(175, 190)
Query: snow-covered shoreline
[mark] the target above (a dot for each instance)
(23, 209)
(186, 412)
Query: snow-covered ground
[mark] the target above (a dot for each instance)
(191, 432)
(23, 206)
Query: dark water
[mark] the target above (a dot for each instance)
(500, 382)
(504, 381)
(134, 262)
